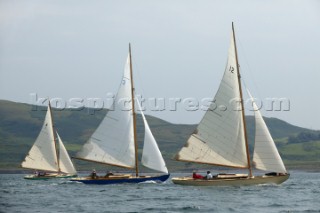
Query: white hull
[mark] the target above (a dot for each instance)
(235, 181)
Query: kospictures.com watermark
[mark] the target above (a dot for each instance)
(156, 104)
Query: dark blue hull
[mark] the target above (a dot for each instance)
(140, 179)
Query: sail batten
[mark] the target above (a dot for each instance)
(112, 142)
(221, 129)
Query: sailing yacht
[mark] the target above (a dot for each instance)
(221, 137)
(48, 156)
(114, 142)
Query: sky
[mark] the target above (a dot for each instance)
(76, 49)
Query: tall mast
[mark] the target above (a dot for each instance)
(134, 116)
(241, 101)
(54, 137)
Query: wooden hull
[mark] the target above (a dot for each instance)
(49, 176)
(118, 179)
(231, 181)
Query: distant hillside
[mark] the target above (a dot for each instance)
(20, 126)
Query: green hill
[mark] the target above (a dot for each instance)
(20, 126)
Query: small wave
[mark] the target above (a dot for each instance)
(231, 209)
(170, 198)
(311, 210)
(71, 182)
(267, 185)
(5, 191)
(54, 184)
(6, 205)
(190, 207)
(307, 211)
(175, 209)
(275, 205)
(151, 209)
(148, 182)
(66, 182)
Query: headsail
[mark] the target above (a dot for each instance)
(219, 137)
(65, 163)
(265, 156)
(151, 155)
(42, 155)
(112, 142)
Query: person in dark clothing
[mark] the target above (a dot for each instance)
(93, 174)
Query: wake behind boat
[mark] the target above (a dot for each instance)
(48, 156)
(115, 140)
(221, 137)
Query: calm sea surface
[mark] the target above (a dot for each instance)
(301, 193)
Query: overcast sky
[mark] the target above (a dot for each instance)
(77, 49)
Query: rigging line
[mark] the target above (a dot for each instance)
(249, 68)
(258, 97)
(141, 93)
(137, 72)
(251, 106)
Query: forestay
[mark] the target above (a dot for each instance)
(219, 137)
(265, 156)
(112, 142)
(42, 155)
(151, 155)
(65, 163)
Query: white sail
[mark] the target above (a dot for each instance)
(65, 163)
(151, 155)
(219, 137)
(112, 142)
(265, 156)
(42, 155)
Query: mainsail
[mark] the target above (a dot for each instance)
(151, 155)
(219, 138)
(112, 142)
(65, 163)
(43, 155)
(265, 156)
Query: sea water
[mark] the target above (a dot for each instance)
(301, 193)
